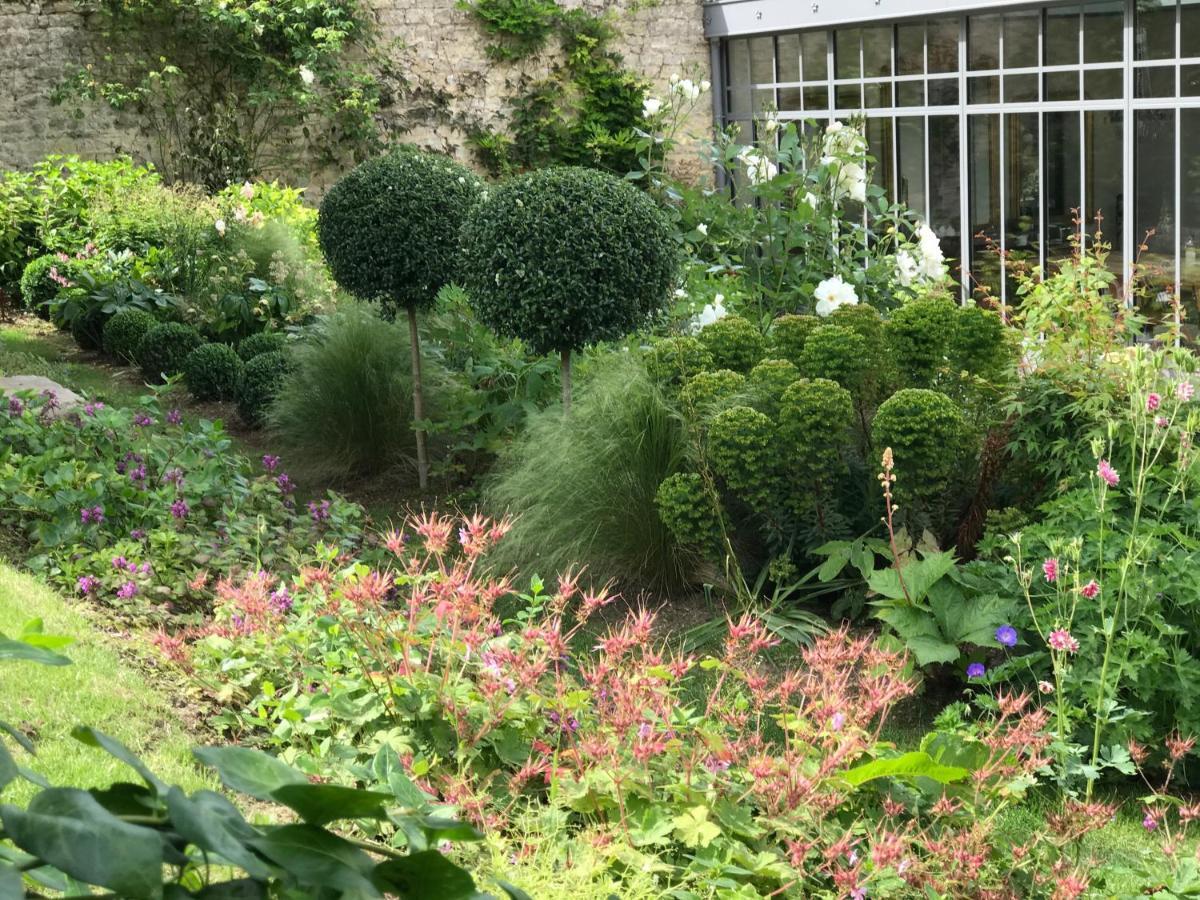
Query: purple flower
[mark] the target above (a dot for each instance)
(142, 420)
(976, 670)
(180, 509)
(119, 563)
(837, 721)
(173, 476)
(144, 568)
(319, 511)
(1150, 823)
(174, 417)
(85, 515)
(50, 401)
(97, 514)
(15, 406)
(127, 590)
(285, 483)
(137, 535)
(281, 601)
(270, 463)
(91, 409)
(138, 475)
(88, 583)
(1006, 635)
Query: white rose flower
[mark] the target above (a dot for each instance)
(907, 268)
(219, 225)
(758, 167)
(651, 107)
(306, 75)
(771, 123)
(680, 294)
(811, 199)
(247, 191)
(704, 86)
(687, 89)
(703, 229)
(933, 262)
(713, 312)
(833, 293)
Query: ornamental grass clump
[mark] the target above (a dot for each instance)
(565, 257)
(390, 234)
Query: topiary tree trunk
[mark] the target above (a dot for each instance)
(418, 400)
(565, 367)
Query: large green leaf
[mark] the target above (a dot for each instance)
(388, 769)
(115, 748)
(915, 764)
(316, 858)
(21, 650)
(72, 832)
(9, 770)
(425, 874)
(972, 620)
(322, 803)
(249, 771)
(10, 883)
(919, 576)
(210, 822)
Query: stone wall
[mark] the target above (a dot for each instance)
(438, 48)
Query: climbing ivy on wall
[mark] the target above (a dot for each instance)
(582, 111)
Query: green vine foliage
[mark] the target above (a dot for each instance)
(229, 89)
(518, 28)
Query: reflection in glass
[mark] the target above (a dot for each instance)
(910, 93)
(983, 172)
(816, 98)
(787, 56)
(877, 51)
(910, 49)
(983, 89)
(943, 92)
(1022, 194)
(1189, 220)
(1062, 36)
(1061, 179)
(1062, 85)
(1020, 88)
(943, 44)
(849, 97)
(1103, 26)
(1020, 40)
(789, 99)
(1154, 29)
(1104, 196)
(910, 153)
(814, 46)
(879, 147)
(877, 94)
(1189, 28)
(983, 42)
(846, 53)
(737, 75)
(1154, 81)
(1154, 200)
(1104, 84)
(762, 60)
(1189, 81)
(945, 211)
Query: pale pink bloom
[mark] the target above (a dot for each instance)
(1153, 401)
(1045, 687)
(1184, 391)
(1050, 569)
(1105, 470)
(1091, 590)
(1161, 421)
(1061, 639)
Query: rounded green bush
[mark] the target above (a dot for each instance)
(743, 451)
(925, 430)
(124, 332)
(978, 343)
(38, 286)
(865, 321)
(709, 392)
(686, 508)
(263, 342)
(673, 360)
(213, 372)
(815, 415)
(734, 343)
(87, 328)
(918, 338)
(767, 382)
(262, 379)
(788, 335)
(836, 353)
(163, 349)
(564, 257)
(389, 229)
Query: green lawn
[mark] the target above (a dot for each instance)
(98, 689)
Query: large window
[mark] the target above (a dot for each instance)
(1014, 132)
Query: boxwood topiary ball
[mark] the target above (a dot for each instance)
(263, 342)
(564, 257)
(389, 230)
(261, 380)
(213, 372)
(163, 349)
(124, 332)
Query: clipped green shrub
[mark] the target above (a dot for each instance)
(918, 338)
(788, 335)
(673, 360)
(164, 348)
(40, 284)
(836, 353)
(687, 508)
(124, 332)
(865, 321)
(87, 328)
(263, 342)
(262, 378)
(213, 372)
(583, 487)
(925, 430)
(978, 343)
(709, 392)
(734, 343)
(814, 431)
(565, 257)
(743, 450)
(767, 382)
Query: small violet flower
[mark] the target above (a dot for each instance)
(1105, 470)
(1006, 635)
(281, 601)
(180, 509)
(1184, 391)
(285, 483)
(319, 511)
(127, 590)
(90, 409)
(15, 406)
(88, 583)
(270, 463)
(142, 420)
(1161, 421)
(174, 417)
(1150, 823)
(976, 670)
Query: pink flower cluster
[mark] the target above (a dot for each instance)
(1061, 639)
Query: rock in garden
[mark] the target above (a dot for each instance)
(37, 386)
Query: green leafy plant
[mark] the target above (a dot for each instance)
(213, 372)
(519, 28)
(734, 344)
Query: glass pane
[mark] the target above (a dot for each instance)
(983, 42)
(816, 98)
(910, 49)
(1189, 221)
(983, 89)
(1189, 78)
(983, 147)
(910, 152)
(1154, 198)
(738, 72)
(789, 99)
(1022, 195)
(945, 210)
(1062, 181)
(1062, 85)
(762, 100)
(1103, 192)
(1062, 36)
(845, 53)
(848, 97)
(943, 92)
(1189, 28)
(1154, 31)
(1106, 84)
(878, 94)
(815, 47)
(1103, 24)
(1154, 81)
(787, 56)
(1020, 40)
(943, 44)
(877, 51)
(762, 60)
(1020, 88)
(910, 93)
(879, 147)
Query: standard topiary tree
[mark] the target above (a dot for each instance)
(389, 231)
(564, 257)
